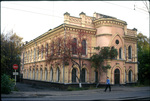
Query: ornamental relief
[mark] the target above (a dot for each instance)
(77, 30)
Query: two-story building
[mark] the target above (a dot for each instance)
(101, 30)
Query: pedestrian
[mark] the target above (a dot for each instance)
(107, 85)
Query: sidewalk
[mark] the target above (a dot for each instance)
(29, 91)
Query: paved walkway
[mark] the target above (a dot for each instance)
(30, 91)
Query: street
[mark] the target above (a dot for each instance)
(29, 93)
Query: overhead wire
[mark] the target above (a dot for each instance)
(33, 7)
(126, 7)
(57, 11)
(30, 11)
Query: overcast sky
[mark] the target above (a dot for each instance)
(31, 19)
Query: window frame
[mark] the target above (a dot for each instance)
(84, 47)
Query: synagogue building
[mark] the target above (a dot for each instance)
(100, 30)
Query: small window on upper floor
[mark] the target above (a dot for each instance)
(129, 52)
(34, 53)
(52, 48)
(120, 53)
(74, 46)
(31, 56)
(38, 53)
(42, 51)
(46, 50)
(83, 47)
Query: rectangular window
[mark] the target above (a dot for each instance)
(31, 56)
(34, 53)
(42, 52)
(28, 56)
(129, 52)
(58, 45)
(84, 47)
(38, 53)
(74, 46)
(46, 50)
(120, 53)
(52, 48)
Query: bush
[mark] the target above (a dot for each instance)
(7, 84)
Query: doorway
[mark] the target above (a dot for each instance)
(117, 76)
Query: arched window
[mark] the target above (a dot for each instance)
(57, 75)
(129, 52)
(45, 74)
(117, 76)
(74, 46)
(83, 77)
(37, 73)
(130, 76)
(41, 74)
(83, 47)
(120, 53)
(33, 73)
(74, 72)
(51, 74)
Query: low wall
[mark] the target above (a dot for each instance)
(64, 86)
(55, 85)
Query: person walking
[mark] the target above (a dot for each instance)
(107, 85)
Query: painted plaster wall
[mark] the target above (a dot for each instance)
(106, 35)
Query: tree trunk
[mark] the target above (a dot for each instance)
(80, 84)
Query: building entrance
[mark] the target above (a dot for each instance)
(117, 76)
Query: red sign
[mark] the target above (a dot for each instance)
(15, 66)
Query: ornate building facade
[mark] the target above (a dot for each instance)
(101, 30)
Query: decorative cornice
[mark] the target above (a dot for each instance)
(109, 22)
(74, 28)
(53, 31)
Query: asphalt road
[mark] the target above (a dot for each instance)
(36, 93)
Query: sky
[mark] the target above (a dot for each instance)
(30, 19)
